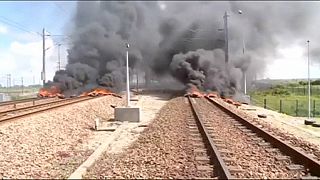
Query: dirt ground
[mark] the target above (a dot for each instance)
(286, 123)
(149, 107)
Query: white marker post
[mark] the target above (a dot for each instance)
(309, 102)
(309, 121)
(128, 79)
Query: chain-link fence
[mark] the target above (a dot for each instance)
(304, 90)
(291, 107)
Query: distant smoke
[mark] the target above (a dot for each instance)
(181, 39)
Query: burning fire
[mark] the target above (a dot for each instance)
(53, 91)
(194, 92)
(230, 101)
(213, 95)
(100, 92)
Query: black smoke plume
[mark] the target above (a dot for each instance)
(180, 39)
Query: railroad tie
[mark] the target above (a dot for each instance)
(195, 135)
(250, 134)
(271, 150)
(219, 145)
(246, 130)
(199, 150)
(196, 139)
(282, 158)
(235, 169)
(199, 145)
(192, 127)
(204, 168)
(309, 177)
(256, 139)
(295, 167)
(264, 144)
(241, 127)
(203, 159)
(228, 159)
(193, 131)
(216, 140)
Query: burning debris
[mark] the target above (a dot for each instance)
(100, 92)
(194, 92)
(213, 95)
(51, 92)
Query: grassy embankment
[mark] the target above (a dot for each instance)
(294, 99)
(18, 93)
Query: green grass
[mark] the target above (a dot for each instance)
(289, 103)
(16, 92)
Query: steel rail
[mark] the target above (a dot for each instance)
(5, 103)
(73, 101)
(38, 105)
(215, 154)
(312, 164)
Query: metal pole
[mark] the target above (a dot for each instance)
(7, 83)
(245, 83)
(309, 98)
(128, 80)
(59, 62)
(43, 75)
(243, 49)
(225, 17)
(245, 72)
(22, 84)
(9, 80)
(137, 81)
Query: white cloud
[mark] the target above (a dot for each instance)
(3, 29)
(292, 64)
(162, 5)
(25, 60)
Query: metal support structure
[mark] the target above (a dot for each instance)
(43, 74)
(59, 61)
(22, 84)
(309, 98)
(243, 50)
(225, 18)
(137, 81)
(245, 83)
(128, 79)
(8, 82)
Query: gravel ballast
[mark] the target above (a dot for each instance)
(293, 139)
(51, 144)
(163, 150)
(248, 155)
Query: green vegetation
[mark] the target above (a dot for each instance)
(291, 98)
(17, 92)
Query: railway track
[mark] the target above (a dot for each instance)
(228, 146)
(29, 110)
(15, 102)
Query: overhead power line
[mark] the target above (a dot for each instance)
(60, 8)
(17, 25)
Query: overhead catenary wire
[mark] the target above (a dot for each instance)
(60, 8)
(17, 26)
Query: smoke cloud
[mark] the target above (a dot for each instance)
(180, 39)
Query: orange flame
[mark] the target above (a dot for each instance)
(213, 95)
(53, 91)
(230, 101)
(100, 92)
(194, 92)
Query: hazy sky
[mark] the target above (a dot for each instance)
(21, 24)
